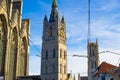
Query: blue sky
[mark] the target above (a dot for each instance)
(105, 25)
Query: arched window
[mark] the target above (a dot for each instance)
(53, 53)
(46, 55)
(92, 65)
(95, 64)
(53, 68)
(46, 69)
(92, 52)
(64, 69)
(1, 29)
(64, 54)
(60, 68)
(60, 53)
(2, 46)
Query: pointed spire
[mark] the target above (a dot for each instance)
(96, 41)
(54, 12)
(45, 18)
(54, 4)
(62, 20)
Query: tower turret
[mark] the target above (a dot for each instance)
(62, 20)
(45, 18)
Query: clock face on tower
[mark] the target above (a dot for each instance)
(62, 32)
(50, 32)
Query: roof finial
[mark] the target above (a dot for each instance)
(54, 4)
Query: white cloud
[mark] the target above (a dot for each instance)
(77, 66)
(34, 66)
(110, 58)
(104, 27)
(109, 5)
(107, 31)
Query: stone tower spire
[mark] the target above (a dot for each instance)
(54, 12)
(62, 20)
(54, 4)
(45, 18)
(54, 48)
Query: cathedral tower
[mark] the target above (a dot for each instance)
(93, 59)
(54, 50)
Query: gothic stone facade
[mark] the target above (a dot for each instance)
(14, 40)
(54, 50)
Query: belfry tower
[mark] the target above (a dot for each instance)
(54, 50)
(93, 59)
(92, 51)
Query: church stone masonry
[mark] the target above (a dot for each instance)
(54, 49)
(14, 40)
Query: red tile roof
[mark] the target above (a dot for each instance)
(105, 67)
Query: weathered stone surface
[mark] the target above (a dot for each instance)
(14, 48)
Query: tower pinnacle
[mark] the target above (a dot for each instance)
(54, 4)
(54, 12)
(62, 20)
(45, 18)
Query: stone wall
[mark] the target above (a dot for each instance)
(14, 40)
